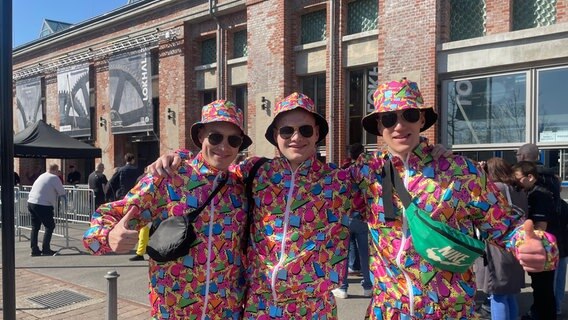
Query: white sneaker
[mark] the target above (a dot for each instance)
(340, 293)
(368, 293)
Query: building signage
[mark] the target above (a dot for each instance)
(74, 100)
(130, 89)
(29, 104)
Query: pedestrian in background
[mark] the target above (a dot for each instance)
(125, 177)
(42, 200)
(74, 176)
(541, 212)
(97, 182)
(499, 273)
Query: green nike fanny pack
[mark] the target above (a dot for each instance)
(442, 246)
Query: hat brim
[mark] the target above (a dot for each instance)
(194, 134)
(320, 122)
(371, 125)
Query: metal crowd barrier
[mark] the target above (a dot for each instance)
(80, 203)
(76, 206)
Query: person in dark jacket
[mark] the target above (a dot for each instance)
(548, 179)
(125, 177)
(541, 212)
(97, 182)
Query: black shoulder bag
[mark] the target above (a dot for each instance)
(173, 237)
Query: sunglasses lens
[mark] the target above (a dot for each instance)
(389, 119)
(306, 131)
(235, 141)
(215, 138)
(286, 132)
(411, 115)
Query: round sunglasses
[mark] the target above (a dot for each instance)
(389, 119)
(216, 138)
(287, 132)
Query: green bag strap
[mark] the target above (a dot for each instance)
(392, 180)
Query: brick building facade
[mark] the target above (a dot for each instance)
(335, 51)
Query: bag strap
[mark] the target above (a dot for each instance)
(193, 215)
(392, 180)
(250, 200)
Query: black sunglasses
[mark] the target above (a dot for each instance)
(287, 132)
(389, 119)
(216, 138)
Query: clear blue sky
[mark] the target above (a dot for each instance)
(28, 15)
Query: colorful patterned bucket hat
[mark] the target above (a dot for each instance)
(217, 111)
(294, 101)
(394, 96)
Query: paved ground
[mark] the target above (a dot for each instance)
(76, 275)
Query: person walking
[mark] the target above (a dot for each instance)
(499, 273)
(124, 178)
(42, 200)
(208, 282)
(97, 182)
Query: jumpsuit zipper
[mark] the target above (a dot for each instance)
(403, 244)
(209, 246)
(284, 234)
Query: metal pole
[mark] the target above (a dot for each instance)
(7, 162)
(112, 295)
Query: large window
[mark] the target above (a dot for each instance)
(313, 27)
(362, 85)
(487, 110)
(208, 96)
(532, 14)
(363, 15)
(552, 105)
(467, 19)
(240, 47)
(241, 100)
(208, 51)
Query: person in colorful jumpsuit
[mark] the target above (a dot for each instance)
(208, 282)
(452, 190)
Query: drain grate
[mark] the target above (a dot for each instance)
(59, 299)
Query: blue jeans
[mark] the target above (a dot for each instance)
(504, 307)
(560, 283)
(360, 232)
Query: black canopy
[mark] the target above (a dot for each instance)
(43, 141)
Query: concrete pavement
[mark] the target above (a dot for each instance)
(74, 275)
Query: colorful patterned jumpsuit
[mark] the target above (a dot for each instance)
(299, 239)
(453, 191)
(207, 283)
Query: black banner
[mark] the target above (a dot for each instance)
(74, 102)
(130, 88)
(28, 100)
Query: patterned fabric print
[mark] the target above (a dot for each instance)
(222, 110)
(178, 288)
(452, 190)
(294, 280)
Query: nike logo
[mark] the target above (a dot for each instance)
(447, 256)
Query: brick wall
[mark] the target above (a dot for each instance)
(407, 32)
(499, 13)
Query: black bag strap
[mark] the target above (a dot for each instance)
(392, 180)
(193, 215)
(250, 200)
